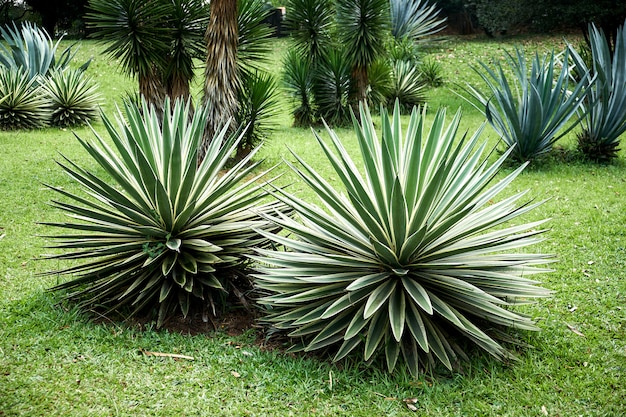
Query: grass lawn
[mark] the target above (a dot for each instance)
(55, 361)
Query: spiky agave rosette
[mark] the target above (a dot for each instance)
(406, 258)
(165, 231)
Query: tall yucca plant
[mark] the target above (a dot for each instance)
(403, 261)
(604, 112)
(532, 111)
(165, 233)
(362, 26)
(310, 24)
(73, 97)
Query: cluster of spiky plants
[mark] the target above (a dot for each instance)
(22, 104)
(404, 260)
(342, 60)
(165, 232)
(38, 88)
(604, 111)
(72, 97)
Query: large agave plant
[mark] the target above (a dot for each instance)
(407, 257)
(23, 105)
(31, 50)
(534, 110)
(604, 112)
(164, 233)
(414, 19)
(73, 97)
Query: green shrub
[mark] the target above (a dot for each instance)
(406, 258)
(407, 86)
(165, 233)
(298, 81)
(431, 72)
(257, 105)
(332, 85)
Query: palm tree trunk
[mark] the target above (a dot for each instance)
(221, 81)
(361, 82)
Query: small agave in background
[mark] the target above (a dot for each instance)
(407, 258)
(163, 232)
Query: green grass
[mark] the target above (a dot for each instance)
(55, 361)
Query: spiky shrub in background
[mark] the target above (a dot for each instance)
(310, 23)
(604, 112)
(332, 85)
(165, 233)
(72, 96)
(30, 49)
(414, 19)
(407, 86)
(403, 261)
(298, 81)
(257, 105)
(533, 110)
(22, 104)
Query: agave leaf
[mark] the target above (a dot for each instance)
(347, 346)
(397, 315)
(375, 333)
(378, 297)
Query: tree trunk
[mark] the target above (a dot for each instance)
(221, 81)
(152, 88)
(361, 82)
(178, 88)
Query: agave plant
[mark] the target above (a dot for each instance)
(23, 105)
(31, 50)
(166, 233)
(407, 86)
(73, 97)
(533, 111)
(410, 256)
(414, 19)
(604, 112)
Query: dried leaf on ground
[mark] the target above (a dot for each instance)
(167, 355)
